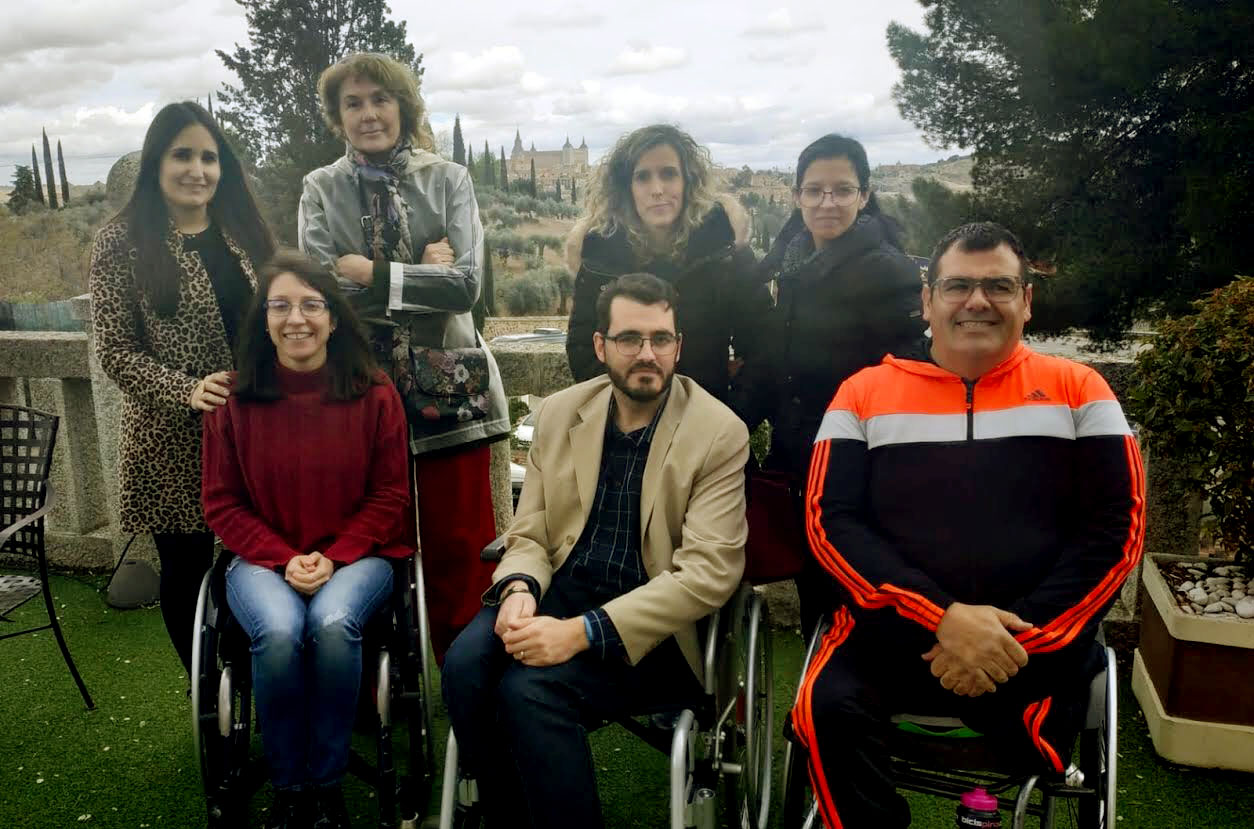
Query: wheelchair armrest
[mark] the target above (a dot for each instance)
(495, 550)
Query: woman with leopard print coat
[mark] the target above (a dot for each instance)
(170, 277)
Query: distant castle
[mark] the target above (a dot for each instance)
(568, 161)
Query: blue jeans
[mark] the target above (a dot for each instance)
(307, 662)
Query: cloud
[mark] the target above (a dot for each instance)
(642, 58)
(495, 66)
(782, 56)
(780, 23)
(571, 17)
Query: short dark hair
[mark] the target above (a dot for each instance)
(644, 288)
(350, 362)
(974, 237)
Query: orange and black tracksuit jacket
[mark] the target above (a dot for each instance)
(1023, 489)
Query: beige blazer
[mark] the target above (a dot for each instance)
(692, 509)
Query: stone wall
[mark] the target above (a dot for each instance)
(58, 372)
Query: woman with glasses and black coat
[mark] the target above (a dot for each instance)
(846, 296)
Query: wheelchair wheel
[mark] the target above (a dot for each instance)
(801, 811)
(222, 717)
(1098, 757)
(750, 739)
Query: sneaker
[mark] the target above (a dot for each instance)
(330, 810)
(290, 810)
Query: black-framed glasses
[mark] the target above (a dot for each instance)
(308, 307)
(996, 288)
(663, 343)
(812, 195)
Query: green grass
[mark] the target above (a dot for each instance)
(130, 763)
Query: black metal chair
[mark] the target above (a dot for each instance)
(27, 438)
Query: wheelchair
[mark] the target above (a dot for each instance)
(396, 679)
(941, 756)
(720, 750)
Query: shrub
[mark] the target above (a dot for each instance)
(530, 293)
(1194, 394)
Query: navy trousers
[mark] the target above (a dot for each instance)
(522, 731)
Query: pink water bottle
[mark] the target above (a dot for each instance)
(978, 810)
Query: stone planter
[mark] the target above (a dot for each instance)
(1193, 674)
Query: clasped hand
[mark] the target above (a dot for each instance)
(537, 640)
(307, 573)
(975, 648)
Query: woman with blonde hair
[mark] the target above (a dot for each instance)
(400, 227)
(653, 208)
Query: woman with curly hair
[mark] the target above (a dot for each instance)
(400, 227)
(653, 208)
(170, 277)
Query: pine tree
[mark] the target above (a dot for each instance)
(504, 183)
(65, 183)
(34, 166)
(459, 145)
(558, 189)
(52, 182)
(533, 178)
(23, 194)
(489, 165)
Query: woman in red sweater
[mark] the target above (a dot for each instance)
(305, 479)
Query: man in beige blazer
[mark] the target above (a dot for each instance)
(630, 528)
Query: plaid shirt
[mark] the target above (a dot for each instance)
(606, 559)
(605, 562)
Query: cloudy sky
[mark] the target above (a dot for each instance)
(753, 82)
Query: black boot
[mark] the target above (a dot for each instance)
(331, 812)
(290, 810)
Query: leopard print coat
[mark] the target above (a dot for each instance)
(156, 362)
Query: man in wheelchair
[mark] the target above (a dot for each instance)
(630, 529)
(978, 506)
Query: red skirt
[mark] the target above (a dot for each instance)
(455, 522)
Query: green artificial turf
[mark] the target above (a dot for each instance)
(130, 762)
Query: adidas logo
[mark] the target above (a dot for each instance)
(1036, 394)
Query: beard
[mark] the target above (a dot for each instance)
(641, 394)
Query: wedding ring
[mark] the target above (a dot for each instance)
(522, 656)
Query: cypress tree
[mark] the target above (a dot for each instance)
(533, 178)
(459, 145)
(34, 168)
(65, 183)
(470, 164)
(504, 177)
(572, 191)
(489, 165)
(52, 182)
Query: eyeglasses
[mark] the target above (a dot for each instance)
(308, 307)
(629, 345)
(813, 195)
(998, 289)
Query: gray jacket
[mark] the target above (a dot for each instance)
(434, 301)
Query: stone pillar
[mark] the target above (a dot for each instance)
(502, 491)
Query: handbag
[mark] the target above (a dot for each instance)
(444, 385)
(777, 546)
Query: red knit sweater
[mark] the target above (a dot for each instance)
(304, 473)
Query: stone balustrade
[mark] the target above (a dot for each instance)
(58, 372)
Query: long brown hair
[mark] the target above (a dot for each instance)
(351, 365)
(610, 204)
(232, 208)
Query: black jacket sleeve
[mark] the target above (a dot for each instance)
(584, 364)
(749, 303)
